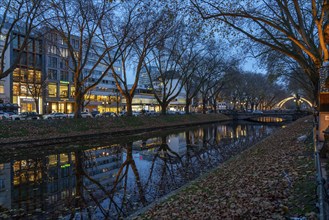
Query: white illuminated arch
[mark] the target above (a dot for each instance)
(282, 102)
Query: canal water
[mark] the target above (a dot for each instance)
(109, 180)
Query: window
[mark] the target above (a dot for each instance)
(15, 88)
(64, 52)
(2, 184)
(30, 59)
(2, 87)
(15, 42)
(30, 45)
(52, 49)
(52, 62)
(52, 74)
(75, 43)
(38, 61)
(72, 91)
(53, 160)
(64, 76)
(52, 90)
(38, 46)
(64, 90)
(64, 158)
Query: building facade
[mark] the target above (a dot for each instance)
(26, 83)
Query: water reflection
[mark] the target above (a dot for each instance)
(269, 119)
(114, 180)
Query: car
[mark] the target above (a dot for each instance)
(134, 113)
(94, 113)
(181, 113)
(4, 116)
(106, 115)
(86, 115)
(26, 116)
(55, 115)
(123, 113)
(83, 115)
(170, 112)
(151, 113)
(257, 112)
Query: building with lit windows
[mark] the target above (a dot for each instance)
(27, 80)
(59, 80)
(105, 97)
(5, 89)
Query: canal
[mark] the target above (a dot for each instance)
(110, 179)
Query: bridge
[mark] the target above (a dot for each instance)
(284, 115)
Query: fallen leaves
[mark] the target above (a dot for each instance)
(257, 184)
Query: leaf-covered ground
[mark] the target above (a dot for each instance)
(272, 180)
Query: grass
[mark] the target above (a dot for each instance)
(25, 130)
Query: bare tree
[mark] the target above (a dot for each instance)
(147, 28)
(168, 58)
(296, 29)
(213, 71)
(86, 29)
(36, 87)
(22, 17)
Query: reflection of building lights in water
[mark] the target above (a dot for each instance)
(269, 119)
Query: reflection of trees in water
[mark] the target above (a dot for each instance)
(205, 149)
(86, 196)
(117, 195)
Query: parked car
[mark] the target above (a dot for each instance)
(122, 113)
(94, 113)
(170, 112)
(83, 115)
(257, 112)
(26, 116)
(134, 113)
(55, 115)
(4, 116)
(181, 112)
(151, 113)
(86, 115)
(106, 115)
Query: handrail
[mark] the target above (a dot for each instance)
(322, 203)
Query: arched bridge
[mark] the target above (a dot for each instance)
(300, 99)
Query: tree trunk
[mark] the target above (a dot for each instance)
(129, 105)
(164, 107)
(78, 104)
(204, 106)
(187, 105)
(37, 105)
(79, 172)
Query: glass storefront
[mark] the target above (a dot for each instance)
(64, 107)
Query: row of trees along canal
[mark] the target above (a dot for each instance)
(173, 40)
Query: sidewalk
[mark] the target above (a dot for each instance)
(275, 179)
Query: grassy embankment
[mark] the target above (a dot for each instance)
(38, 129)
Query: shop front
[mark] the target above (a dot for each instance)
(64, 106)
(28, 104)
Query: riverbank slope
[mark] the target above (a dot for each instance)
(43, 130)
(274, 179)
